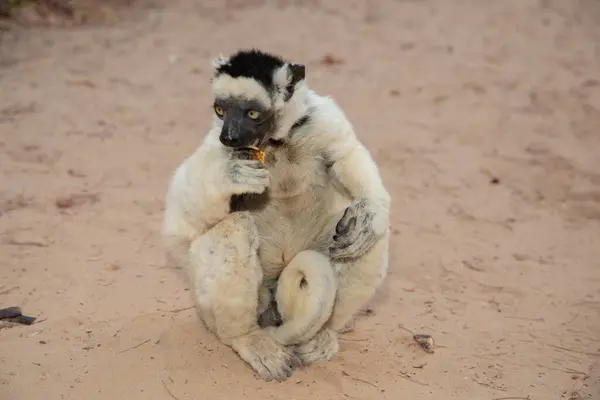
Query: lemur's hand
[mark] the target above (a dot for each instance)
(357, 231)
(246, 176)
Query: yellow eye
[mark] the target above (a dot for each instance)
(252, 114)
(219, 111)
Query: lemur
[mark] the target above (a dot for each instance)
(309, 224)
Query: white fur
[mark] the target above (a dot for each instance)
(225, 86)
(282, 76)
(321, 170)
(291, 110)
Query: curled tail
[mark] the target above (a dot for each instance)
(306, 292)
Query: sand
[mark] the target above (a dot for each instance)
(484, 118)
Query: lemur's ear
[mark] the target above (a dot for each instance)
(288, 76)
(298, 73)
(220, 61)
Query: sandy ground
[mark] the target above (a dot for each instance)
(483, 116)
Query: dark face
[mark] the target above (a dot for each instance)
(245, 122)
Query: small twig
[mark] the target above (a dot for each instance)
(353, 340)
(168, 391)
(572, 319)
(472, 267)
(359, 380)
(406, 329)
(574, 371)
(490, 355)
(539, 319)
(8, 290)
(489, 386)
(513, 398)
(575, 351)
(567, 370)
(408, 378)
(178, 310)
(136, 346)
(14, 242)
(585, 303)
(367, 312)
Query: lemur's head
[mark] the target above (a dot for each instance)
(252, 89)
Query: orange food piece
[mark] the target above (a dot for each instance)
(257, 154)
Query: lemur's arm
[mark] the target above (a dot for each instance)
(196, 194)
(357, 172)
(367, 218)
(201, 188)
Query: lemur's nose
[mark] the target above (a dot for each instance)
(231, 141)
(232, 134)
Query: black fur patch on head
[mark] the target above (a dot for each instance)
(254, 64)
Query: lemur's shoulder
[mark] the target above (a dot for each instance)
(325, 127)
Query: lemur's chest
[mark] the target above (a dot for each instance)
(293, 171)
(297, 210)
(297, 180)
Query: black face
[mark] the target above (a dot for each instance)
(245, 122)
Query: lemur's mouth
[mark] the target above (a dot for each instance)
(255, 150)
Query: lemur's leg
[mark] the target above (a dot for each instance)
(357, 282)
(359, 249)
(226, 275)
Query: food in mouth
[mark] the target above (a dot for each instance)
(256, 153)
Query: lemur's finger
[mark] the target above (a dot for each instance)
(346, 223)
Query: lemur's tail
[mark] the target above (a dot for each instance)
(306, 292)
